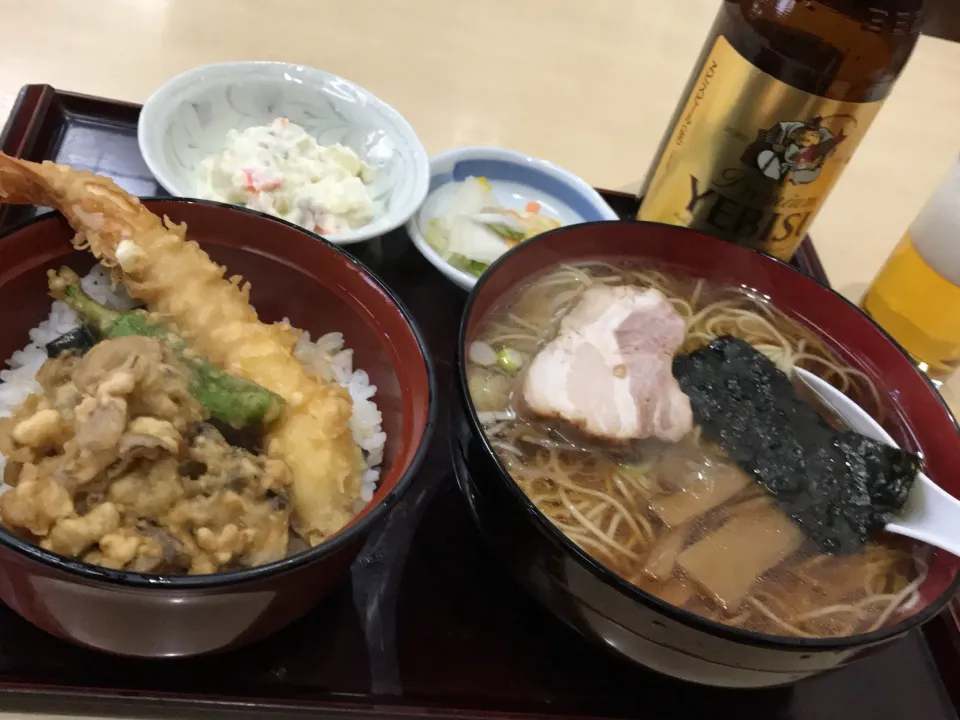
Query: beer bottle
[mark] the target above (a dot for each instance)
(778, 101)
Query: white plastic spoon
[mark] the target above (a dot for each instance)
(930, 515)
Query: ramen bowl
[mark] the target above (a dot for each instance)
(600, 604)
(320, 289)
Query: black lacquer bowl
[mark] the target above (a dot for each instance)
(598, 603)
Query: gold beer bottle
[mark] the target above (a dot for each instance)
(782, 94)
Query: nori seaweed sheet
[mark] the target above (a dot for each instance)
(839, 487)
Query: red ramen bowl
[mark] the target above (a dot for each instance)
(320, 289)
(600, 604)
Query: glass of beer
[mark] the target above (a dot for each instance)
(916, 295)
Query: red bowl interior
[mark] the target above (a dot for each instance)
(293, 275)
(914, 413)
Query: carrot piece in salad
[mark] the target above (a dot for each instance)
(532, 207)
(253, 185)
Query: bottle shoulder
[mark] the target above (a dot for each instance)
(848, 50)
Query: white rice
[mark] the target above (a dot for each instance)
(325, 357)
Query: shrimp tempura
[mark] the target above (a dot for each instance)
(178, 280)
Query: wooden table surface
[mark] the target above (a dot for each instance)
(588, 85)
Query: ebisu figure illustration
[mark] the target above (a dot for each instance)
(796, 150)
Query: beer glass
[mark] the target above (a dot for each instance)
(916, 295)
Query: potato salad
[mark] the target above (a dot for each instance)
(283, 171)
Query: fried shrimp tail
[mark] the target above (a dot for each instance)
(178, 280)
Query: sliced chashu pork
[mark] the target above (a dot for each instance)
(608, 370)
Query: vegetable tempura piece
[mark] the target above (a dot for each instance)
(178, 280)
(237, 402)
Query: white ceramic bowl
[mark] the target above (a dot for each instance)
(516, 179)
(187, 119)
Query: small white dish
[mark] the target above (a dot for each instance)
(187, 119)
(516, 179)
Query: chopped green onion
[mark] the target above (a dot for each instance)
(510, 360)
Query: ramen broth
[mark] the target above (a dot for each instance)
(681, 520)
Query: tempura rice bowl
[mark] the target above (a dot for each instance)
(363, 339)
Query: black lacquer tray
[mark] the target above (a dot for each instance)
(429, 625)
